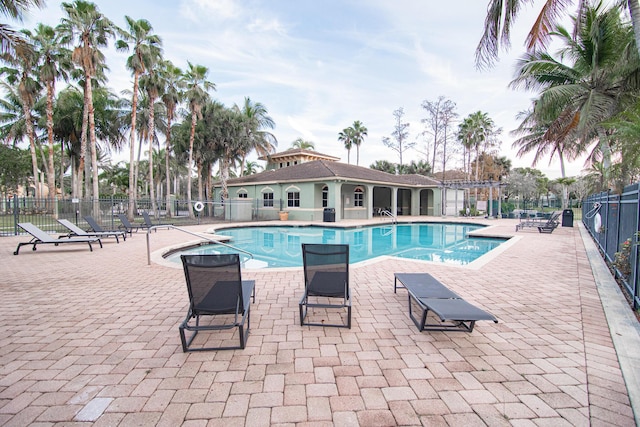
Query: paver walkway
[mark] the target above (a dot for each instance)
(91, 338)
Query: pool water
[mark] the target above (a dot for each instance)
(281, 246)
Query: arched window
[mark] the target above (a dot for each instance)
(325, 196)
(358, 197)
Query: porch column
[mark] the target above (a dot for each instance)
(369, 197)
(394, 201)
(337, 200)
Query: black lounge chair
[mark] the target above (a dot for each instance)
(74, 230)
(326, 276)
(40, 237)
(216, 289)
(427, 294)
(538, 222)
(149, 222)
(93, 224)
(130, 227)
(550, 225)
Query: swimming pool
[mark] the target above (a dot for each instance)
(281, 246)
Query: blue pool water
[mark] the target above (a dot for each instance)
(281, 246)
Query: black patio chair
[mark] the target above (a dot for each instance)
(326, 278)
(74, 230)
(40, 237)
(217, 291)
(149, 222)
(128, 226)
(93, 224)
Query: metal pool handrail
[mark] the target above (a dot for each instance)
(193, 234)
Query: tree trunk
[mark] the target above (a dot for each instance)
(32, 147)
(51, 177)
(94, 151)
(132, 147)
(191, 138)
(152, 128)
(166, 161)
(634, 11)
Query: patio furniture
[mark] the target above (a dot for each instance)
(128, 226)
(93, 224)
(74, 230)
(217, 292)
(326, 278)
(149, 222)
(427, 294)
(40, 237)
(537, 222)
(550, 225)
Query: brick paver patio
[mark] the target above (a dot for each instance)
(91, 338)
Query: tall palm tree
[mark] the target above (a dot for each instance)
(303, 144)
(28, 88)
(90, 30)
(501, 16)
(197, 93)
(152, 84)
(257, 120)
(359, 131)
(54, 63)
(171, 97)
(10, 41)
(346, 137)
(591, 82)
(146, 49)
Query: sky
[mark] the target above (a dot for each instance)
(317, 66)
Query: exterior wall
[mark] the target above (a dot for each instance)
(340, 196)
(349, 209)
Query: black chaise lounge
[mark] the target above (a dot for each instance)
(550, 225)
(40, 237)
(216, 290)
(149, 222)
(74, 230)
(128, 226)
(93, 224)
(427, 294)
(540, 222)
(326, 278)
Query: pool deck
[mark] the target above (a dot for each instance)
(91, 338)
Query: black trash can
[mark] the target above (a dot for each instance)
(329, 215)
(567, 218)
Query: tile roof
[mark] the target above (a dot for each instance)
(322, 169)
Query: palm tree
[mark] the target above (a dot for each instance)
(28, 89)
(346, 137)
(303, 144)
(197, 93)
(577, 97)
(90, 30)
(10, 41)
(359, 131)
(257, 119)
(501, 16)
(152, 83)
(146, 49)
(171, 97)
(54, 63)
(251, 168)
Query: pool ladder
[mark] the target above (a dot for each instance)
(387, 213)
(168, 226)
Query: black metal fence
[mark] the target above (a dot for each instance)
(613, 220)
(44, 212)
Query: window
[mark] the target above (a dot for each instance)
(242, 195)
(293, 199)
(325, 196)
(358, 197)
(267, 200)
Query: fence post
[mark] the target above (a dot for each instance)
(16, 214)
